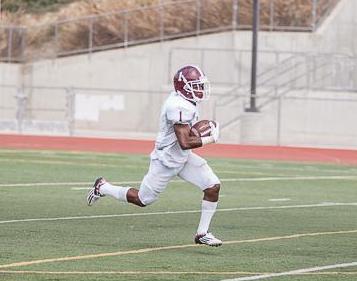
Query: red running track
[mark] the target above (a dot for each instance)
(337, 156)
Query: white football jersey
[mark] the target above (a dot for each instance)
(176, 110)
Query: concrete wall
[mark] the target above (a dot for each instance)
(337, 34)
(9, 74)
(149, 68)
(308, 118)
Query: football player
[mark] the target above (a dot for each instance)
(172, 154)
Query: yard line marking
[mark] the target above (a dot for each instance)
(282, 178)
(165, 272)
(44, 184)
(55, 162)
(294, 272)
(297, 178)
(174, 247)
(72, 163)
(224, 180)
(325, 204)
(279, 199)
(98, 164)
(132, 272)
(237, 172)
(347, 169)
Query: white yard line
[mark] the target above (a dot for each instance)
(45, 184)
(294, 272)
(129, 272)
(162, 272)
(279, 199)
(339, 177)
(114, 165)
(259, 179)
(326, 204)
(238, 171)
(269, 168)
(70, 163)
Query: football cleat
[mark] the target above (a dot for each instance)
(94, 194)
(208, 239)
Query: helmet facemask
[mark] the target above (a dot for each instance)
(199, 89)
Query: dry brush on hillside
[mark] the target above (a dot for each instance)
(85, 25)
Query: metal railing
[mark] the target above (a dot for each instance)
(299, 72)
(230, 68)
(166, 21)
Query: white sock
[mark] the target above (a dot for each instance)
(118, 192)
(208, 210)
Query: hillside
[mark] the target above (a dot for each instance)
(63, 27)
(33, 6)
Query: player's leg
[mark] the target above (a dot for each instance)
(102, 188)
(209, 206)
(122, 193)
(154, 182)
(197, 172)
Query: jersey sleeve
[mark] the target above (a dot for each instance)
(179, 115)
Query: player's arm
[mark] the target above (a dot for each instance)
(188, 141)
(184, 138)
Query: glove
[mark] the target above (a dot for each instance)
(214, 130)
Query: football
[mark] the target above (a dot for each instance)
(201, 128)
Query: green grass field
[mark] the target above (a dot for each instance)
(264, 206)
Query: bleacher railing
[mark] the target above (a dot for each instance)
(165, 21)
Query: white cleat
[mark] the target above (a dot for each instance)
(94, 194)
(208, 239)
